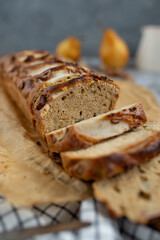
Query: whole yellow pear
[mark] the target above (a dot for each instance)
(114, 52)
(69, 48)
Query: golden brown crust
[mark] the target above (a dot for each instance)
(134, 116)
(18, 63)
(115, 163)
(74, 140)
(71, 141)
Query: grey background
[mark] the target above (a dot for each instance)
(41, 24)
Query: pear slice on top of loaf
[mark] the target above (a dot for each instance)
(88, 132)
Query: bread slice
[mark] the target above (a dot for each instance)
(134, 195)
(85, 133)
(54, 93)
(108, 158)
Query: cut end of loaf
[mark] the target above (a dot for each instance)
(72, 104)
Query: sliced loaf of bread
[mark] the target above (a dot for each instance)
(134, 195)
(96, 129)
(53, 93)
(110, 157)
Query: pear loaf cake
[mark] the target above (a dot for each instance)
(54, 93)
(104, 126)
(114, 156)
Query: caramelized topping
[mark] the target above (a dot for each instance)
(42, 102)
(131, 115)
